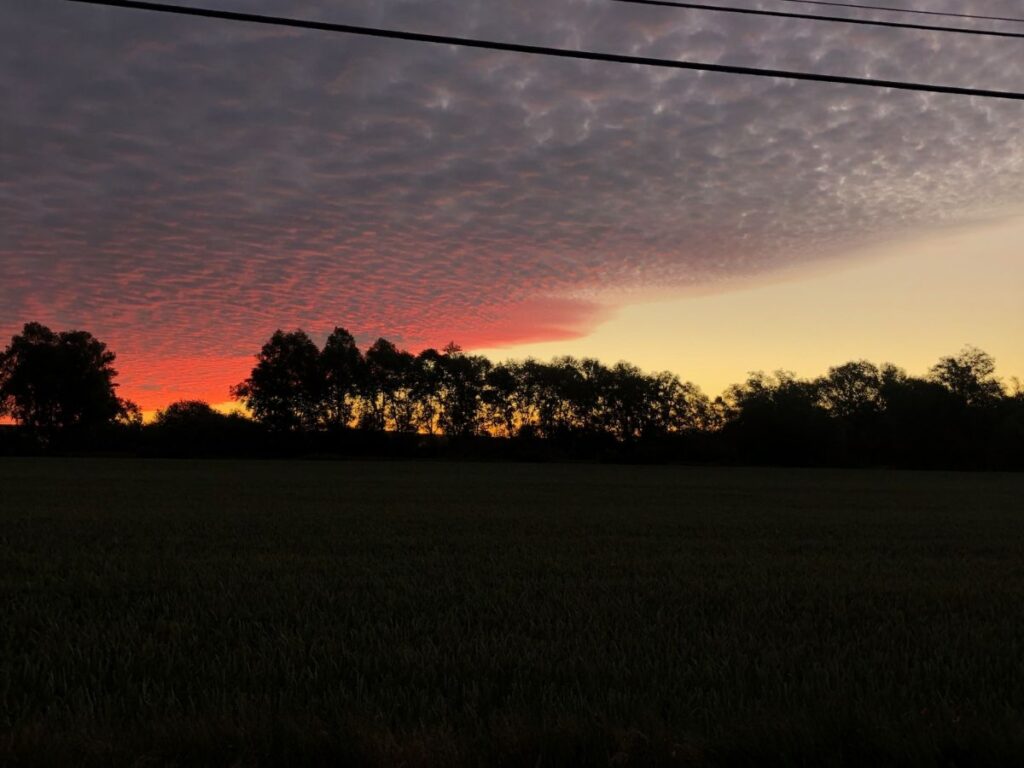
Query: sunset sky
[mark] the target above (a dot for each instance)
(183, 187)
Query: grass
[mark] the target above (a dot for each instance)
(336, 613)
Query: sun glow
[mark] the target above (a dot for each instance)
(909, 303)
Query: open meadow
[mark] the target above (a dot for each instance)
(386, 613)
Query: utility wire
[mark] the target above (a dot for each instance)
(915, 11)
(565, 53)
(816, 17)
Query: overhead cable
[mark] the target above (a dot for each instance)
(818, 17)
(914, 11)
(537, 50)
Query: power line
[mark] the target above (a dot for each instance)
(817, 17)
(565, 53)
(915, 11)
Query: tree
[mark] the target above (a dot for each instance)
(500, 399)
(388, 387)
(193, 428)
(624, 402)
(187, 413)
(343, 369)
(922, 421)
(970, 375)
(778, 419)
(556, 392)
(427, 385)
(851, 389)
(285, 389)
(590, 383)
(51, 382)
(679, 406)
(463, 378)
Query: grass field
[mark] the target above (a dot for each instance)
(334, 613)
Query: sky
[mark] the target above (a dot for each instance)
(183, 187)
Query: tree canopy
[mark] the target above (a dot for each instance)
(285, 391)
(53, 381)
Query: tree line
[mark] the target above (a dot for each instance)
(339, 398)
(297, 386)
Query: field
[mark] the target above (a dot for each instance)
(360, 613)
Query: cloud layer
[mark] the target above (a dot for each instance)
(183, 187)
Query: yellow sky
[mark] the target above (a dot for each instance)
(908, 303)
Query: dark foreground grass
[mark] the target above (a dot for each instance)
(231, 613)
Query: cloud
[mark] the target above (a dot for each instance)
(183, 187)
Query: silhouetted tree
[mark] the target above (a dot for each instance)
(591, 384)
(852, 389)
(969, 375)
(502, 411)
(852, 395)
(194, 428)
(920, 420)
(186, 413)
(463, 379)
(285, 390)
(624, 405)
(388, 387)
(559, 395)
(426, 385)
(343, 370)
(777, 419)
(1008, 443)
(52, 382)
(680, 406)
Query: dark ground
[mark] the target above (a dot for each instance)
(336, 613)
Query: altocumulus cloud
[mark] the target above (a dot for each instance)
(183, 187)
